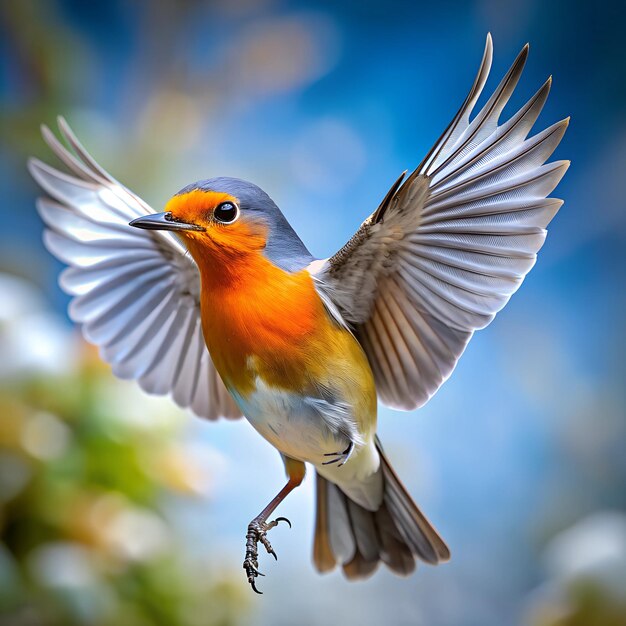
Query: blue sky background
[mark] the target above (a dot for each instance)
(323, 105)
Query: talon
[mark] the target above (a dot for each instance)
(330, 462)
(267, 545)
(341, 456)
(283, 519)
(255, 568)
(254, 587)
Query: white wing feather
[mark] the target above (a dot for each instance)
(135, 292)
(446, 249)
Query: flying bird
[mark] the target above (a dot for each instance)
(217, 302)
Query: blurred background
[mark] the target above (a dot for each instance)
(117, 508)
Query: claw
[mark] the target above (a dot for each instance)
(255, 568)
(341, 456)
(254, 587)
(267, 545)
(331, 462)
(283, 519)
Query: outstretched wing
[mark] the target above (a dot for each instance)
(136, 292)
(448, 247)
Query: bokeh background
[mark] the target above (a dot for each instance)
(117, 508)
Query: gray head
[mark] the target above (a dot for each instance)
(232, 213)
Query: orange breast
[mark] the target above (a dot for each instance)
(259, 320)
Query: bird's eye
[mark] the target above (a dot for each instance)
(226, 213)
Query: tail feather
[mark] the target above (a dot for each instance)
(359, 567)
(393, 550)
(365, 532)
(417, 531)
(323, 555)
(358, 539)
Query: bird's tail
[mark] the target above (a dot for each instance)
(358, 539)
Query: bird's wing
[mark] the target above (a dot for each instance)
(136, 292)
(448, 247)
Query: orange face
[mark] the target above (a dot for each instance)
(227, 232)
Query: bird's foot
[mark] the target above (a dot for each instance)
(257, 533)
(340, 457)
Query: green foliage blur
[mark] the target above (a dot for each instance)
(84, 538)
(586, 604)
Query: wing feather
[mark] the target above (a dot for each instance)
(135, 292)
(449, 245)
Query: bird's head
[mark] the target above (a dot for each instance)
(222, 219)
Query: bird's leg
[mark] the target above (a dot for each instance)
(258, 527)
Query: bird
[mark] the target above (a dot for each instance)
(217, 302)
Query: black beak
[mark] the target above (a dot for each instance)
(162, 221)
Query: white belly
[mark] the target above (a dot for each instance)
(291, 423)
